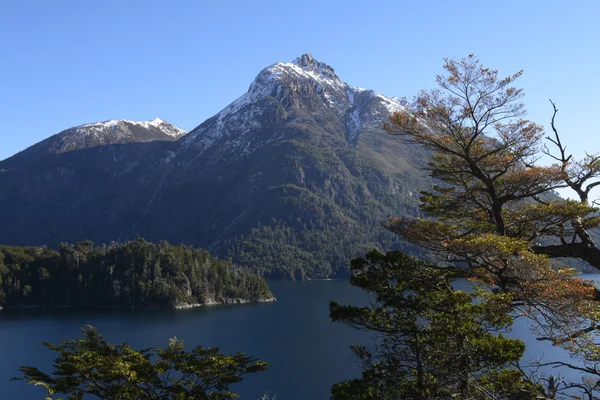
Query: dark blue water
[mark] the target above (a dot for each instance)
(307, 353)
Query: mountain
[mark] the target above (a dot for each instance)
(99, 134)
(294, 178)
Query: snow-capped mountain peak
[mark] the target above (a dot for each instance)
(110, 132)
(113, 124)
(299, 150)
(272, 79)
(306, 89)
(309, 64)
(304, 69)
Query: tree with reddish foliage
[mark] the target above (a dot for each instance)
(494, 214)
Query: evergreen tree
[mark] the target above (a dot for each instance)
(91, 366)
(494, 212)
(133, 274)
(433, 341)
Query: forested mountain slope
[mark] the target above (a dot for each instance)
(294, 178)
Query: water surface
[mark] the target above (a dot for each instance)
(307, 353)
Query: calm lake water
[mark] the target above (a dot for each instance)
(307, 353)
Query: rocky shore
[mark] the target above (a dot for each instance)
(180, 306)
(212, 302)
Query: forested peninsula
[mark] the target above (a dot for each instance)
(128, 275)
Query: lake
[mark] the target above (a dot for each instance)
(307, 353)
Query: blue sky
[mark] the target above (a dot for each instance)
(66, 63)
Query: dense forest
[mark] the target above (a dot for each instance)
(133, 274)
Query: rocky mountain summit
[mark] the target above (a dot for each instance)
(114, 132)
(101, 134)
(293, 178)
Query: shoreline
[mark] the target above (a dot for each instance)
(184, 306)
(216, 303)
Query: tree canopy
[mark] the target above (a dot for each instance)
(132, 274)
(91, 366)
(493, 213)
(434, 341)
(494, 209)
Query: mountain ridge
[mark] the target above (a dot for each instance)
(97, 134)
(293, 178)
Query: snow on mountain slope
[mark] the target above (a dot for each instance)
(294, 177)
(304, 69)
(113, 124)
(294, 85)
(97, 134)
(115, 132)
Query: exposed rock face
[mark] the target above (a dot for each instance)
(294, 178)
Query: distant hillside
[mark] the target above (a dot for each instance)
(293, 179)
(96, 135)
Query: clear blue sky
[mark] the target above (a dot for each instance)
(66, 63)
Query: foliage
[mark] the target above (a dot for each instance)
(321, 229)
(433, 341)
(281, 251)
(484, 155)
(91, 366)
(133, 274)
(329, 204)
(495, 212)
